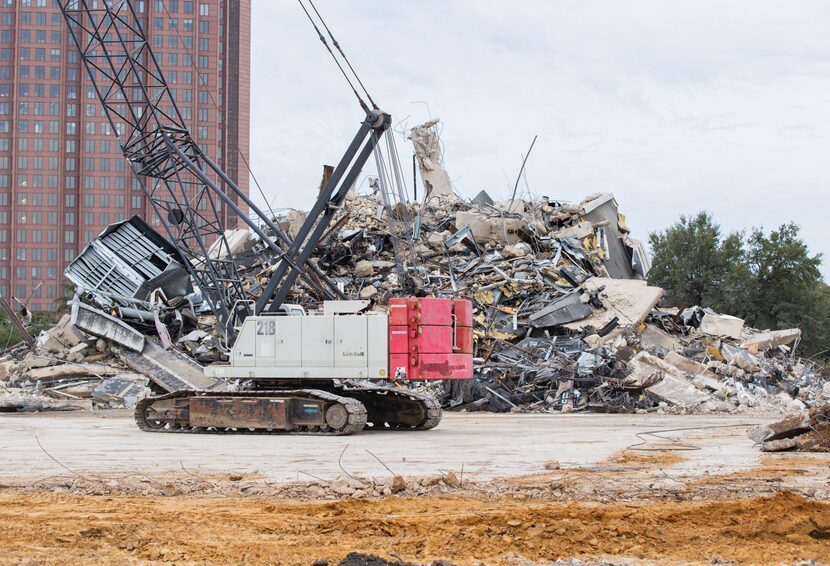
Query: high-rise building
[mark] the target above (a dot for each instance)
(62, 176)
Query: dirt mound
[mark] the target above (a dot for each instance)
(60, 529)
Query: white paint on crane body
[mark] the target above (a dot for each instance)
(315, 346)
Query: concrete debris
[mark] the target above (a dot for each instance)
(563, 318)
(238, 240)
(167, 368)
(771, 339)
(722, 325)
(673, 387)
(54, 373)
(60, 337)
(629, 301)
(425, 141)
(807, 431)
(123, 390)
(170, 370)
(17, 400)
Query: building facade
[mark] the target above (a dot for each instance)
(62, 176)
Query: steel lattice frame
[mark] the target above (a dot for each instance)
(155, 140)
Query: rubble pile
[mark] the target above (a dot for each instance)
(563, 317)
(564, 320)
(67, 370)
(805, 430)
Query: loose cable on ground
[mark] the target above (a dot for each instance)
(678, 445)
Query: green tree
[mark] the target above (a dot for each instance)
(770, 280)
(9, 335)
(691, 260)
(788, 290)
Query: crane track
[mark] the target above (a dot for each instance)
(383, 413)
(356, 413)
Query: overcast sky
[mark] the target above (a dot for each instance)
(675, 107)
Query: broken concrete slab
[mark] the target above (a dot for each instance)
(771, 339)
(722, 325)
(673, 388)
(629, 299)
(292, 222)
(18, 400)
(123, 390)
(739, 357)
(6, 369)
(237, 239)
(516, 206)
(53, 373)
(169, 369)
(425, 141)
(60, 337)
(687, 366)
(80, 348)
(485, 228)
(578, 231)
(654, 337)
(479, 224)
(804, 431)
(701, 376)
(100, 324)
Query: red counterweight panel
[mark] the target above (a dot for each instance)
(415, 310)
(422, 339)
(463, 311)
(399, 312)
(443, 366)
(463, 340)
(430, 338)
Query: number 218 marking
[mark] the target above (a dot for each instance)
(266, 327)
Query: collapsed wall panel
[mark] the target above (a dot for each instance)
(128, 261)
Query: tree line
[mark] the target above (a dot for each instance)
(769, 279)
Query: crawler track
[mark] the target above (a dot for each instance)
(395, 408)
(301, 411)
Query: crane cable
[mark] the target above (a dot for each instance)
(346, 59)
(334, 57)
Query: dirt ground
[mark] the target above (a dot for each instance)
(664, 497)
(60, 529)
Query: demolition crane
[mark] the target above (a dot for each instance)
(292, 368)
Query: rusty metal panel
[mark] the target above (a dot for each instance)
(227, 412)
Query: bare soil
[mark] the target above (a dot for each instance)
(68, 529)
(679, 502)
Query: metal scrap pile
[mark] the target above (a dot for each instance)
(563, 317)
